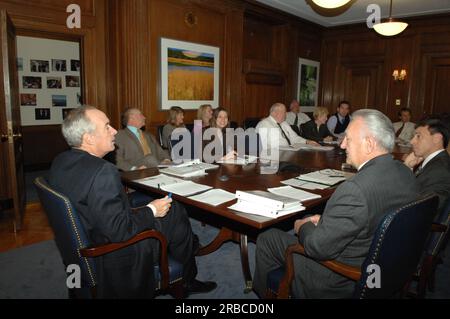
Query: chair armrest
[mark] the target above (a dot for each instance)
(439, 228)
(107, 248)
(350, 272)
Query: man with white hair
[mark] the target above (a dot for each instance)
(345, 230)
(95, 190)
(276, 123)
(295, 118)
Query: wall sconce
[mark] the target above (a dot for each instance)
(399, 76)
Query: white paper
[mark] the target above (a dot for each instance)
(292, 192)
(214, 197)
(158, 180)
(189, 169)
(251, 208)
(247, 159)
(302, 146)
(302, 184)
(185, 188)
(326, 176)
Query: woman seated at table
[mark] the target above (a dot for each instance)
(175, 120)
(205, 114)
(216, 133)
(317, 129)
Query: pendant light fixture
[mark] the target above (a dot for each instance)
(390, 27)
(330, 4)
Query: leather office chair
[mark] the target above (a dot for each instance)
(396, 248)
(432, 255)
(75, 247)
(160, 135)
(251, 122)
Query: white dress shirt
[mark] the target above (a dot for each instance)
(302, 118)
(407, 133)
(270, 133)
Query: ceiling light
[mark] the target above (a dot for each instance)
(390, 27)
(330, 4)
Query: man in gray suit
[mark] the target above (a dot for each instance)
(137, 149)
(433, 172)
(346, 228)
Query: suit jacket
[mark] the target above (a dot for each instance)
(435, 177)
(348, 223)
(94, 188)
(310, 131)
(129, 151)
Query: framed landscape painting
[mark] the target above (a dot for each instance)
(308, 84)
(189, 74)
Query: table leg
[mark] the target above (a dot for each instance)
(245, 264)
(224, 235)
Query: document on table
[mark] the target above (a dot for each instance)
(214, 197)
(292, 192)
(302, 184)
(254, 209)
(247, 159)
(185, 188)
(159, 180)
(326, 176)
(302, 146)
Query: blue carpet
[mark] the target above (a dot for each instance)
(36, 271)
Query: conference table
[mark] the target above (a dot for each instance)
(241, 227)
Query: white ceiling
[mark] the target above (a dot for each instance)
(356, 12)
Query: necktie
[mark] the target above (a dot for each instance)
(397, 134)
(144, 144)
(418, 170)
(284, 134)
(296, 119)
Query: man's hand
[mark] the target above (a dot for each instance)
(166, 161)
(162, 206)
(412, 160)
(328, 139)
(300, 222)
(230, 156)
(311, 142)
(142, 167)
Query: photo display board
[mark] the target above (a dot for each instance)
(49, 74)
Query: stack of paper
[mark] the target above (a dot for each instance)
(189, 169)
(247, 159)
(214, 197)
(302, 184)
(299, 146)
(265, 204)
(294, 193)
(174, 185)
(326, 176)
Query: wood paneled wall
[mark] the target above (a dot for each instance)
(357, 65)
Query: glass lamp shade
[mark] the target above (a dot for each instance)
(390, 27)
(330, 4)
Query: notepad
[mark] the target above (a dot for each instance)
(185, 188)
(303, 184)
(326, 177)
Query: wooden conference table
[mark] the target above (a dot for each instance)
(240, 227)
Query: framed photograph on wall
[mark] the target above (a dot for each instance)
(308, 84)
(189, 74)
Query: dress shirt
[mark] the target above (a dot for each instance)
(268, 139)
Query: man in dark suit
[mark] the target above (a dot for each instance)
(94, 188)
(346, 228)
(431, 159)
(137, 149)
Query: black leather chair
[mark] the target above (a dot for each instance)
(75, 247)
(396, 248)
(432, 256)
(160, 135)
(251, 122)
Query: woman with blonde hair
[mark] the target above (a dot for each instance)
(205, 113)
(317, 129)
(175, 120)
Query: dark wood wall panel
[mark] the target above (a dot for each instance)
(47, 18)
(422, 50)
